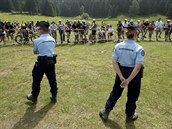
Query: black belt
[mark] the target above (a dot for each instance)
(125, 67)
(131, 68)
(44, 58)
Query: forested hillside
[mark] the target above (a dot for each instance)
(95, 8)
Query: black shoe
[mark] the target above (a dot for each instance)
(132, 118)
(104, 115)
(30, 97)
(53, 99)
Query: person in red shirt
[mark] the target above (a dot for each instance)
(151, 29)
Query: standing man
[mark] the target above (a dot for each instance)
(10, 30)
(151, 28)
(138, 25)
(110, 33)
(93, 31)
(2, 32)
(120, 30)
(127, 61)
(84, 31)
(53, 30)
(159, 28)
(44, 48)
(68, 28)
(76, 31)
(145, 29)
(167, 28)
(61, 27)
(125, 25)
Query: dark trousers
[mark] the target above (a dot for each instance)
(62, 36)
(133, 92)
(47, 66)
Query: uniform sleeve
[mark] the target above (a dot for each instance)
(35, 47)
(140, 56)
(115, 54)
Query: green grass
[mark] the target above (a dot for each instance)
(85, 79)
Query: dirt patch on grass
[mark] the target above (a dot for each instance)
(5, 73)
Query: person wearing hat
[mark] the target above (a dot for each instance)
(167, 28)
(68, 27)
(61, 27)
(127, 59)
(79, 24)
(44, 48)
(139, 26)
(94, 31)
(125, 25)
(76, 31)
(159, 28)
(145, 28)
(84, 31)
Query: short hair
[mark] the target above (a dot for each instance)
(131, 31)
(43, 25)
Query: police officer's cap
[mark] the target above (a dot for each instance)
(43, 24)
(131, 27)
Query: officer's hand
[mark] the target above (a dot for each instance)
(122, 79)
(124, 84)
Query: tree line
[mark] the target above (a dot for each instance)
(95, 8)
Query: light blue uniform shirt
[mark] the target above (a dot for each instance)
(128, 53)
(45, 45)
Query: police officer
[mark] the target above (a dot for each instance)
(44, 48)
(127, 61)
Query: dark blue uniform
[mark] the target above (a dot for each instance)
(128, 54)
(44, 45)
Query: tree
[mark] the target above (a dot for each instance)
(134, 8)
(85, 16)
(95, 8)
(64, 10)
(48, 9)
(169, 12)
(6, 5)
(32, 6)
(17, 5)
(82, 9)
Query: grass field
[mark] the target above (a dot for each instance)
(85, 79)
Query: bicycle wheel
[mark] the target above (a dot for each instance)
(19, 39)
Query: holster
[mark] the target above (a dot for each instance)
(55, 58)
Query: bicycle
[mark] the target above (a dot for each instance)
(22, 38)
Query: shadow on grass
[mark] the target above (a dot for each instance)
(14, 45)
(31, 118)
(130, 125)
(111, 124)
